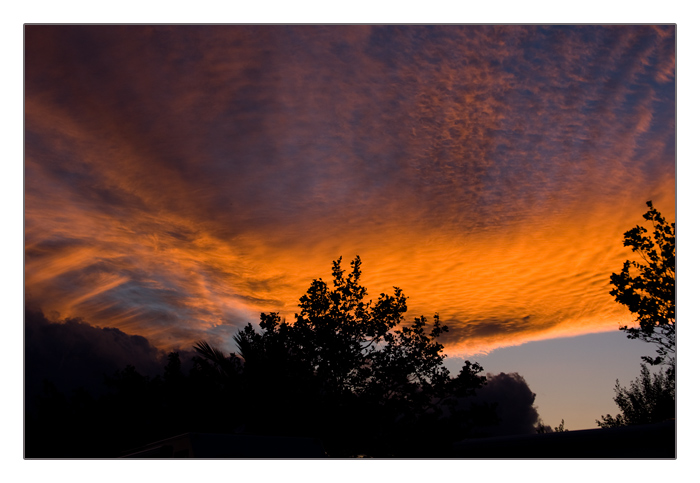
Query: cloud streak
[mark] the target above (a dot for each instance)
(182, 179)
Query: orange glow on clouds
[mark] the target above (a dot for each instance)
(181, 181)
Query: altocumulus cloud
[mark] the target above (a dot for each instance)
(182, 179)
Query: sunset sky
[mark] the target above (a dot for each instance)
(180, 180)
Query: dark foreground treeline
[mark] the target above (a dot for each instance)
(348, 373)
(127, 409)
(136, 410)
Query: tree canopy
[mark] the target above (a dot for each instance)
(651, 398)
(648, 287)
(351, 370)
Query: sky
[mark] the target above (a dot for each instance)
(180, 180)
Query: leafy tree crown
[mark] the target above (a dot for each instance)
(648, 287)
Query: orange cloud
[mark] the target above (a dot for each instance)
(181, 181)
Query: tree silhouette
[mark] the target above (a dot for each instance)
(648, 288)
(351, 372)
(651, 398)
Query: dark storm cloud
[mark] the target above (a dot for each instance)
(514, 404)
(207, 173)
(74, 354)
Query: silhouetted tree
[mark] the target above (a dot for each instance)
(651, 398)
(648, 287)
(352, 372)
